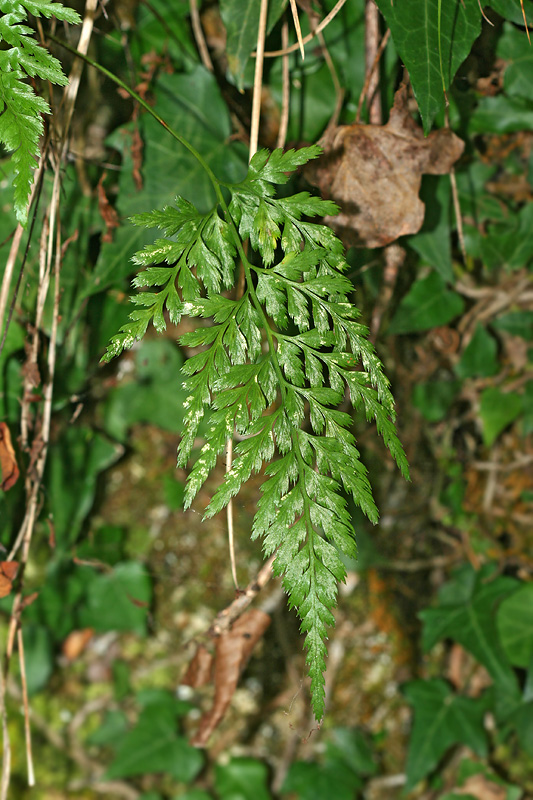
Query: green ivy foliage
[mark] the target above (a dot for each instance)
(274, 366)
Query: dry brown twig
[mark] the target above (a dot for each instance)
(296, 20)
(285, 92)
(372, 56)
(339, 91)
(293, 47)
(225, 618)
(258, 79)
(199, 36)
(365, 91)
(254, 139)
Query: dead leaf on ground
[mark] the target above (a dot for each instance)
(76, 642)
(232, 650)
(8, 572)
(374, 172)
(199, 669)
(8, 460)
(481, 787)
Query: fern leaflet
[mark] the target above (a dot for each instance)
(20, 109)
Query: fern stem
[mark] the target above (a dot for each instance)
(132, 93)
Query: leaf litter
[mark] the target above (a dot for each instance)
(374, 173)
(233, 649)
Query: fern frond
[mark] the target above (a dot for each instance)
(273, 366)
(21, 110)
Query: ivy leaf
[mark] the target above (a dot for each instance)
(480, 356)
(497, 410)
(441, 719)
(515, 626)
(242, 779)
(154, 745)
(427, 304)
(466, 613)
(241, 20)
(119, 600)
(433, 38)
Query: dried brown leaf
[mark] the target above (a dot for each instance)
(8, 572)
(200, 668)
(233, 649)
(374, 172)
(8, 460)
(481, 787)
(76, 642)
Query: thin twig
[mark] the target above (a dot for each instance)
(6, 755)
(332, 14)
(370, 72)
(199, 36)
(254, 139)
(419, 564)
(339, 91)
(93, 783)
(285, 91)
(394, 258)
(495, 466)
(228, 615)
(455, 195)
(229, 517)
(371, 60)
(458, 214)
(13, 252)
(296, 20)
(258, 79)
(31, 369)
(27, 726)
(8, 274)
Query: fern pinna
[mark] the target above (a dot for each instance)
(20, 108)
(274, 366)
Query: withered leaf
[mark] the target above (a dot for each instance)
(107, 212)
(8, 460)
(481, 787)
(199, 669)
(8, 572)
(76, 642)
(233, 649)
(374, 172)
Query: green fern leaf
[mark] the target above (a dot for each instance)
(273, 367)
(21, 110)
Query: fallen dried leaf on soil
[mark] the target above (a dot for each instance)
(199, 669)
(8, 460)
(374, 172)
(76, 642)
(481, 787)
(232, 650)
(8, 571)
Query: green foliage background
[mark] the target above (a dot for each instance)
(458, 410)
